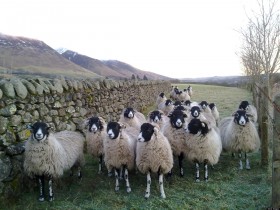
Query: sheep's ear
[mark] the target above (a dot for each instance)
(185, 115)
(29, 127)
(86, 122)
(249, 115)
(122, 125)
(156, 130)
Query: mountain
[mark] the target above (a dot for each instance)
(219, 80)
(20, 55)
(110, 68)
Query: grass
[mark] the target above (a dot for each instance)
(227, 188)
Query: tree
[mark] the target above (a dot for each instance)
(145, 77)
(261, 46)
(138, 78)
(133, 76)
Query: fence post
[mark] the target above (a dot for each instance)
(264, 128)
(276, 157)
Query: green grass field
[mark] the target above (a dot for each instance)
(227, 188)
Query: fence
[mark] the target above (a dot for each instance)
(269, 130)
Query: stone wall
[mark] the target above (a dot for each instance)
(64, 104)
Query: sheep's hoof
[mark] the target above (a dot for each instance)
(206, 180)
(41, 199)
(147, 195)
(163, 196)
(248, 167)
(100, 172)
(51, 199)
(197, 180)
(110, 174)
(240, 168)
(128, 189)
(117, 188)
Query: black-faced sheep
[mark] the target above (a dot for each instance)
(197, 112)
(190, 90)
(166, 106)
(214, 112)
(119, 150)
(153, 155)
(132, 117)
(157, 117)
(50, 154)
(176, 136)
(204, 145)
(94, 138)
(239, 134)
(161, 97)
(250, 109)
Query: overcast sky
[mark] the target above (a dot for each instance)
(175, 38)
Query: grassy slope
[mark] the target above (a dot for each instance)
(228, 188)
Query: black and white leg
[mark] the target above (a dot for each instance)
(197, 172)
(240, 161)
(121, 172)
(162, 194)
(181, 157)
(80, 172)
(128, 189)
(100, 165)
(148, 189)
(117, 187)
(41, 180)
(51, 194)
(110, 173)
(247, 162)
(206, 170)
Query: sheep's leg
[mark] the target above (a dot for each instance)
(205, 171)
(247, 162)
(240, 161)
(232, 155)
(117, 187)
(162, 194)
(128, 189)
(181, 157)
(169, 173)
(197, 172)
(51, 195)
(100, 165)
(148, 190)
(41, 180)
(110, 173)
(121, 173)
(80, 172)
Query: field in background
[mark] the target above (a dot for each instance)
(227, 188)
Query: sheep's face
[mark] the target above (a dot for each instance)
(180, 107)
(212, 106)
(241, 117)
(155, 116)
(244, 105)
(195, 111)
(146, 132)
(189, 88)
(188, 103)
(197, 127)
(161, 95)
(177, 118)
(40, 131)
(113, 130)
(129, 113)
(168, 102)
(94, 124)
(203, 104)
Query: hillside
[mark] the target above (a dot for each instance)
(20, 55)
(110, 68)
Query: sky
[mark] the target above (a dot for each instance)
(174, 38)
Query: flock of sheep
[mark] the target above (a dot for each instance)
(178, 127)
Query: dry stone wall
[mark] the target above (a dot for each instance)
(64, 104)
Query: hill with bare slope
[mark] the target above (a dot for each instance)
(20, 55)
(110, 68)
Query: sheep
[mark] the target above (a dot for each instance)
(50, 154)
(132, 117)
(239, 134)
(94, 139)
(173, 92)
(190, 90)
(157, 117)
(250, 109)
(161, 97)
(182, 96)
(166, 106)
(153, 155)
(204, 145)
(197, 112)
(214, 112)
(119, 150)
(176, 136)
